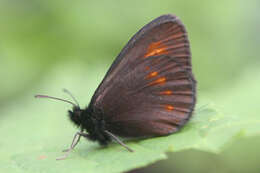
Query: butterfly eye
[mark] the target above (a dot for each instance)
(70, 112)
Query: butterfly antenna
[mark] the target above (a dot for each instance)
(69, 93)
(54, 98)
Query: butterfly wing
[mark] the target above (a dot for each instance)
(149, 89)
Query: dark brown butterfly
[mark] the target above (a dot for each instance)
(148, 91)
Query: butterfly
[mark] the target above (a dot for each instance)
(148, 91)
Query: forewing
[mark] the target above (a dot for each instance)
(166, 35)
(149, 89)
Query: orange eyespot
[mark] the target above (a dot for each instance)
(166, 92)
(156, 48)
(158, 81)
(169, 107)
(152, 74)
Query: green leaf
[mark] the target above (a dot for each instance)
(33, 132)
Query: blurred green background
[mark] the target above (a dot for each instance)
(55, 44)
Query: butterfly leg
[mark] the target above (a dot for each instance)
(118, 140)
(75, 141)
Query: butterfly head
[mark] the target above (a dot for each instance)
(75, 115)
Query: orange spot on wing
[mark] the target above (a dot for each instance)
(159, 81)
(156, 48)
(152, 74)
(169, 107)
(166, 92)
